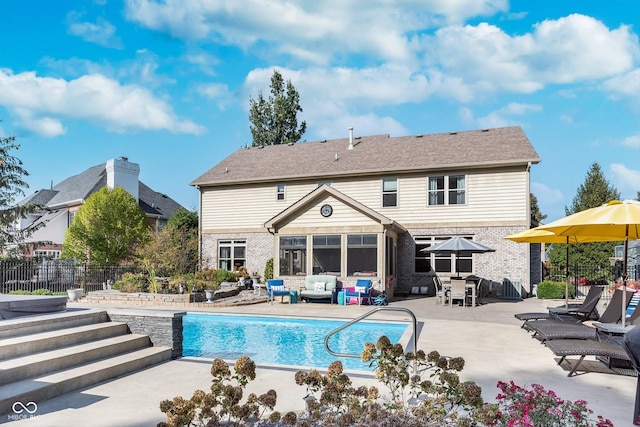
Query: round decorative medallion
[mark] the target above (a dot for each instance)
(326, 210)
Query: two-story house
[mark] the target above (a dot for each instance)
(61, 202)
(366, 206)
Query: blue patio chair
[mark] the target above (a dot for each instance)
(275, 288)
(362, 291)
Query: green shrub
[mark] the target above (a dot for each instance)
(132, 282)
(554, 290)
(268, 269)
(41, 291)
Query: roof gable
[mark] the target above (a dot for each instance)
(322, 191)
(377, 154)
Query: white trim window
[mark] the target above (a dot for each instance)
(390, 192)
(280, 188)
(440, 262)
(447, 190)
(232, 254)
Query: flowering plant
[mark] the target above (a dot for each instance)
(521, 407)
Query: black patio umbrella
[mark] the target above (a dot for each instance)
(457, 244)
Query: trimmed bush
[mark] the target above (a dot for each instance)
(554, 290)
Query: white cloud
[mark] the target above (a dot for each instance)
(101, 32)
(217, 92)
(500, 117)
(632, 141)
(572, 49)
(626, 180)
(625, 87)
(42, 103)
(313, 31)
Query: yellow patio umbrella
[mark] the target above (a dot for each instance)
(536, 235)
(614, 221)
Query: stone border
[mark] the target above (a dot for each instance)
(164, 328)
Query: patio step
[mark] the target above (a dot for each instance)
(23, 367)
(35, 343)
(46, 356)
(44, 387)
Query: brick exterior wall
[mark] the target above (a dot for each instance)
(259, 249)
(509, 260)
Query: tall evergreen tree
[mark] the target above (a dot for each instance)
(593, 192)
(275, 120)
(536, 214)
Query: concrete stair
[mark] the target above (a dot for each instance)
(41, 358)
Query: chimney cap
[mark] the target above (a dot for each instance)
(123, 158)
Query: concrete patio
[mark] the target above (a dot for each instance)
(488, 337)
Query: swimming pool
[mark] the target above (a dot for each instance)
(282, 341)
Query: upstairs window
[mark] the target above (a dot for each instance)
(280, 192)
(449, 190)
(389, 192)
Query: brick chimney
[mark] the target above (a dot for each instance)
(121, 172)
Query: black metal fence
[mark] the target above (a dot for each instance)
(581, 276)
(57, 275)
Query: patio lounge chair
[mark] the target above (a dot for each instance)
(584, 348)
(275, 288)
(361, 290)
(582, 311)
(549, 329)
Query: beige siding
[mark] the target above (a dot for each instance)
(491, 196)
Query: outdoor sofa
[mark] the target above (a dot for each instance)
(319, 287)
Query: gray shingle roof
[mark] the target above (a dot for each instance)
(84, 184)
(377, 154)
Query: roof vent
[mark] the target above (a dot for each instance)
(350, 138)
(226, 169)
(485, 130)
(453, 133)
(418, 136)
(335, 159)
(123, 158)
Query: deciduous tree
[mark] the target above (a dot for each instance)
(12, 186)
(275, 120)
(173, 250)
(107, 228)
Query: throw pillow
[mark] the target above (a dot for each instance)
(318, 286)
(278, 288)
(361, 289)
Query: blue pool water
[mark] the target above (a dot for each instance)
(280, 341)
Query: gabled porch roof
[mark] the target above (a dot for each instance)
(323, 191)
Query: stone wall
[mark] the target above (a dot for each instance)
(143, 298)
(164, 328)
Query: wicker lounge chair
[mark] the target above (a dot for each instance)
(584, 348)
(549, 329)
(578, 312)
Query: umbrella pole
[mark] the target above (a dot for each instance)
(566, 277)
(624, 279)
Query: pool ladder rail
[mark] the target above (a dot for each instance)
(364, 316)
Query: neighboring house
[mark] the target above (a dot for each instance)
(365, 206)
(63, 200)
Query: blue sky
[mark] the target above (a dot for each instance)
(168, 83)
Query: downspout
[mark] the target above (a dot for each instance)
(199, 226)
